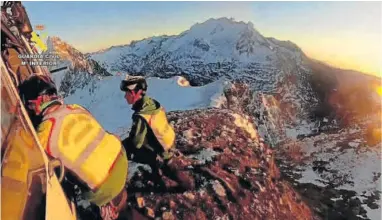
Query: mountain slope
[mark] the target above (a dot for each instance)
(244, 183)
(205, 52)
(302, 108)
(235, 177)
(338, 172)
(108, 105)
(82, 70)
(334, 162)
(220, 48)
(305, 90)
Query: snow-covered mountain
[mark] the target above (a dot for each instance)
(220, 48)
(222, 42)
(81, 69)
(72, 58)
(291, 99)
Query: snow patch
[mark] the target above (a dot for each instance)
(353, 144)
(133, 169)
(188, 134)
(109, 107)
(205, 155)
(373, 214)
(309, 176)
(342, 160)
(57, 77)
(302, 129)
(337, 199)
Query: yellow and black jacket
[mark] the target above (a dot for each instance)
(150, 130)
(95, 156)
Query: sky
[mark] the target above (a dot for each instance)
(343, 34)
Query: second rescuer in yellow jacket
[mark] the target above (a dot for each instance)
(152, 139)
(71, 134)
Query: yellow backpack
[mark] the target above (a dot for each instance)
(162, 130)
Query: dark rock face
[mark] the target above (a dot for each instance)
(77, 80)
(344, 95)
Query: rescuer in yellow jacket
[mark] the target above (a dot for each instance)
(70, 133)
(152, 139)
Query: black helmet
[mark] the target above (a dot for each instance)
(134, 83)
(36, 86)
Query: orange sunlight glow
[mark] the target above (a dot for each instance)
(378, 89)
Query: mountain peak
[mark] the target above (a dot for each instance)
(214, 41)
(225, 20)
(222, 22)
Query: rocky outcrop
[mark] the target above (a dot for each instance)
(81, 69)
(73, 58)
(338, 173)
(237, 178)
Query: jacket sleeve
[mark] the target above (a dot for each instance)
(137, 134)
(43, 133)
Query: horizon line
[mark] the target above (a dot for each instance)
(232, 19)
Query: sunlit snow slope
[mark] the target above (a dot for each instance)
(108, 105)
